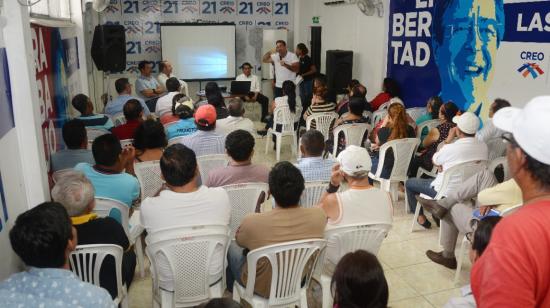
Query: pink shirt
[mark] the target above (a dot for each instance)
(514, 271)
(237, 174)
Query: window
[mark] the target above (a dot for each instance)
(59, 9)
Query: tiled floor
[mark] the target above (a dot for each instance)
(414, 281)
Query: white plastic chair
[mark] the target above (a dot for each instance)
(103, 207)
(384, 106)
(118, 119)
(403, 151)
(312, 193)
(93, 133)
(288, 263)
(57, 175)
(323, 122)
(126, 142)
(368, 115)
(189, 251)
(149, 176)
(416, 112)
(86, 260)
(500, 161)
(175, 140)
(452, 179)
(244, 200)
(350, 238)
(353, 134)
(378, 116)
(207, 163)
(426, 124)
(497, 148)
(283, 117)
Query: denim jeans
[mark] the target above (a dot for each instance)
(235, 262)
(416, 186)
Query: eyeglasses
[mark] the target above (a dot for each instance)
(486, 30)
(509, 138)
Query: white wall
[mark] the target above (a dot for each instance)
(345, 27)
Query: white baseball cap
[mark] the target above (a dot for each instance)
(530, 127)
(354, 159)
(467, 122)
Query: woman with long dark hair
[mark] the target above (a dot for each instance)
(390, 89)
(288, 99)
(215, 98)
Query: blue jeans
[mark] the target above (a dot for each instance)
(235, 262)
(416, 186)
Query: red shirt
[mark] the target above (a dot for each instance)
(126, 131)
(379, 100)
(514, 270)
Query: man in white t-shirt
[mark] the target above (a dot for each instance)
(164, 103)
(235, 120)
(166, 70)
(255, 94)
(184, 203)
(286, 65)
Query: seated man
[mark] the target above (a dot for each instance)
(107, 175)
(147, 86)
(361, 203)
(84, 105)
(255, 94)
(164, 103)
(205, 141)
(235, 120)
(239, 146)
(456, 209)
(44, 238)
(124, 89)
(312, 164)
(166, 72)
(465, 149)
(133, 112)
(288, 221)
(75, 192)
(489, 130)
(183, 203)
(74, 136)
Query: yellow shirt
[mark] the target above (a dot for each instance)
(78, 220)
(503, 195)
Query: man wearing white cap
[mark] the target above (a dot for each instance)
(465, 149)
(514, 270)
(361, 203)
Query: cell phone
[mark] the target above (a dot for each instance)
(492, 212)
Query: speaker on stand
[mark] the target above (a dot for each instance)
(109, 48)
(339, 68)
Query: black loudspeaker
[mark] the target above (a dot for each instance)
(109, 48)
(339, 67)
(316, 46)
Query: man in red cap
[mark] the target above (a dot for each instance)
(205, 141)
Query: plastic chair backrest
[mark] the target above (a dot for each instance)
(209, 162)
(288, 261)
(456, 175)
(416, 112)
(353, 134)
(126, 142)
(312, 193)
(323, 122)
(282, 116)
(103, 207)
(497, 148)
(378, 116)
(118, 119)
(368, 115)
(403, 151)
(188, 250)
(244, 200)
(149, 176)
(86, 260)
(93, 133)
(511, 210)
(350, 238)
(500, 161)
(384, 106)
(426, 124)
(56, 176)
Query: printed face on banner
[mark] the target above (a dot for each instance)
(467, 35)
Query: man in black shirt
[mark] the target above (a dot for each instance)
(75, 192)
(307, 73)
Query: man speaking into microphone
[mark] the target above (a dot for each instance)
(286, 65)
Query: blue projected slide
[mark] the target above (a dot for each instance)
(205, 64)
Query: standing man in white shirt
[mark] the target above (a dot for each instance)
(286, 65)
(164, 104)
(255, 94)
(166, 70)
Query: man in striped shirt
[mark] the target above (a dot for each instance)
(312, 164)
(205, 141)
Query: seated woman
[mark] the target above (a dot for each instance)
(342, 106)
(183, 109)
(359, 281)
(318, 103)
(435, 136)
(215, 98)
(355, 115)
(394, 126)
(288, 99)
(149, 141)
(390, 89)
(433, 105)
(410, 121)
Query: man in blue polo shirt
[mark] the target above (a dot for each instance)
(124, 89)
(147, 86)
(84, 105)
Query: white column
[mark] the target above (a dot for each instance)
(77, 17)
(26, 105)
